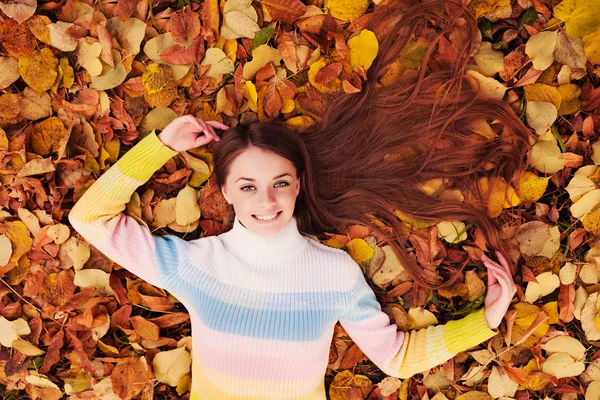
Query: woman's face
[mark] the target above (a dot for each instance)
(261, 185)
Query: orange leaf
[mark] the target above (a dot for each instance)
(285, 10)
(145, 328)
(185, 25)
(328, 73)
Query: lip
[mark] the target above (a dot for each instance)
(269, 221)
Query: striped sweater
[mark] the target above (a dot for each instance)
(263, 309)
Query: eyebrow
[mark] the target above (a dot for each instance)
(254, 180)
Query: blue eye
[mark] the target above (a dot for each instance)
(243, 188)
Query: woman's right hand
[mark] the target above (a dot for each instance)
(185, 133)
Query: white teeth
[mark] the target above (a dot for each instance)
(265, 217)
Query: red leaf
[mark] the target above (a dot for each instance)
(328, 73)
(53, 353)
(285, 10)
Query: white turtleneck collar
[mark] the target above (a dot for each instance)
(253, 248)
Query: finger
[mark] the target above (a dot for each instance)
(217, 124)
(491, 278)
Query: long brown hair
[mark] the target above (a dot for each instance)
(369, 153)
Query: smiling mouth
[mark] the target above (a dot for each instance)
(267, 220)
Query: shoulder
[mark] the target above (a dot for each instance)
(338, 257)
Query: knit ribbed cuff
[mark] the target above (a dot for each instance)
(467, 332)
(145, 158)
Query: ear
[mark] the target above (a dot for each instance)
(298, 187)
(225, 194)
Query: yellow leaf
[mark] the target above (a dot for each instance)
(250, 94)
(484, 7)
(46, 136)
(68, 78)
(19, 237)
(474, 395)
(542, 92)
(591, 221)
(500, 195)
(526, 315)
(570, 98)
(26, 348)
(160, 87)
(187, 209)
(344, 381)
(532, 187)
(359, 250)
(363, 49)
(535, 383)
(39, 69)
(591, 46)
(261, 56)
(581, 17)
(300, 122)
(348, 10)
(551, 308)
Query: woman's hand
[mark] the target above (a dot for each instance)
(501, 289)
(184, 133)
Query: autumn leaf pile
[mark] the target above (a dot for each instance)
(81, 82)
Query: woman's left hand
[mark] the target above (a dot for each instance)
(501, 289)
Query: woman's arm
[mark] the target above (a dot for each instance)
(404, 354)
(98, 216)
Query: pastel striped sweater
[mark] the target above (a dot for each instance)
(263, 309)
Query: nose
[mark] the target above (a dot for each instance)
(267, 199)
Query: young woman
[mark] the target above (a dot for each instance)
(264, 298)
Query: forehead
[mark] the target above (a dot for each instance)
(255, 162)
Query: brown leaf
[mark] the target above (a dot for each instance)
(168, 320)
(285, 10)
(328, 73)
(145, 328)
(129, 378)
(566, 302)
(57, 288)
(47, 136)
(16, 38)
(185, 25)
(53, 352)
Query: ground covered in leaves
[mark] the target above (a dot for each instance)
(82, 81)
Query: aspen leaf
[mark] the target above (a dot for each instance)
(220, 64)
(541, 115)
(588, 317)
(347, 10)
(158, 45)
(129, 32)
(562, 365)
(452, 231)
(187, 209)
(164, 212)
(543, 92)
(500, 384)
(580, 184)
(345, 382)
(421, 318)
(489, 88)
(39, 69)
(111, 79)
(568, 273)
(390, 269)
(78, 251)
(26, 348)
(60, 37)
(172, 365)
(240, 24)
(473, 395)
(538, 239)
(585, 204)
(19, 237)
(46, 136)
(359, 250)
(58, 288)
(261, 56)
(19, 10)
(581, 17)
(565, 344)
(532, 187)
(547, 283)
(580, 298)
(593, 391)
(94, 278)
(540, 48)
(589, 274)
(489, 61)
(5, 250)
(59, 233)
(591, 46)
(499, 194)
(88, 57)
(34, 105)
(157, 119)
(160, 88)
(10, 71)
(250, 94)
(11, 330)
(527, 315)
(363, 49)
(545, 157)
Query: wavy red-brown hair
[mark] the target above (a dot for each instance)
(425, 117)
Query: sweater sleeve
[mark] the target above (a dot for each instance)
(99, 219)
(404, 354)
